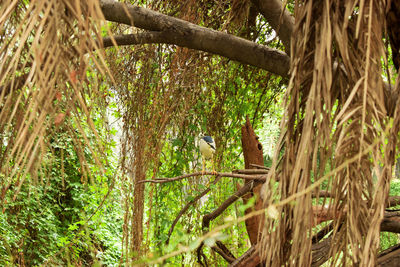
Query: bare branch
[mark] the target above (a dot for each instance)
(170, 30)
(246, 188)
(322, 233)
(222, 250)
(171, 229)
(250, 258)
(282, 23)
(390, 222)
(389, 257)
(186, 34)
(252, 171)
(134, 39)
(259, 166)
(222, 174)
(207, 218)
(201, 255)
(393, 201)
(320, 251)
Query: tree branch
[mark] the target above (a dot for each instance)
(250, 258)
(322, 233)
(390, 221)
(272, 12)
(259, 166)
(182, 33)
(150, 37)
(252, 171)
(186, 34)
(222, 174)
(222, 250)
(389, 257)
(393, 201)
(320, 251)
(210, 216)
(171, 229)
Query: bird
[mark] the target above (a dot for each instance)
(207, 150)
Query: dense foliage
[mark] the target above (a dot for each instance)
(79, 139)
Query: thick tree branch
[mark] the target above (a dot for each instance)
(390, 225)
(170, 30)
(320, 251)
(186, 34)
(134, 39)
(272, 12)
(389, 257)
(390, 221)
(391, 202)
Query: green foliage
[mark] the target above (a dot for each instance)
(48, 219)
(220, 112)
(390, 239)
(73, 216)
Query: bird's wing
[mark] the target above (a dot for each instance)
(212, 145)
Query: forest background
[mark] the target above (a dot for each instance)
(101, 103)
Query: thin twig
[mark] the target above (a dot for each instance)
(252, 171)
(259, 166)
(222, 174)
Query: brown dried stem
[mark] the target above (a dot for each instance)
(222, 174)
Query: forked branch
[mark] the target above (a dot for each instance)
(182, 33)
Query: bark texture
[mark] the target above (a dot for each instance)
(278, 17)
(253, 154)
(182, 33)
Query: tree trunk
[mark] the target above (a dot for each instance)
(252, 152)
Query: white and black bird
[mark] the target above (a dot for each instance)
(207, 150)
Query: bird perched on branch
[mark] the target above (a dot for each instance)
(207, 150)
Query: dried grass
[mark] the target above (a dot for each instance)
(335, 113)
(45, 49)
